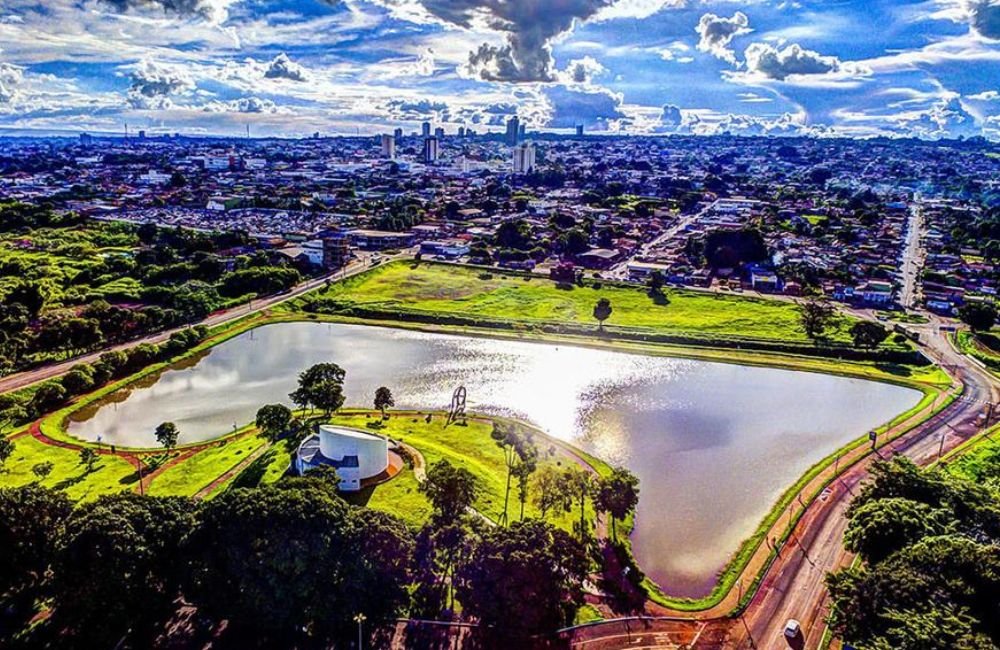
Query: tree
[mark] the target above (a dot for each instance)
(384, 399)
(550, 492)
(78, 380)
(273, 421)
(322, 387)
(816, 317)
(7, 447)
(167, 434)
(47, 397)
(42, 469)
(523, 580)
(277, 560)
(867, 334)
(452, 490)
(578, 484)
(882, 526)
(518, 448)
(979, 316)
(30, 519)
(618, 495)
(602, 311)
(118, 565)
(88, 458)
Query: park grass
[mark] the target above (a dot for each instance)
(984, 347)
(111, 474)
(978, 460)
(459, 291)
(469, 446)
(190, 476)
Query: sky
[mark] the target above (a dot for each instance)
(289, 68)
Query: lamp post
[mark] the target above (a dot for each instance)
(360, 620)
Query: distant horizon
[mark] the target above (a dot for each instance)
(54, 134)
(288, 68)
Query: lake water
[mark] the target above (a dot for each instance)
(713, 444)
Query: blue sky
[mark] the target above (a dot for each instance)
(283, 67)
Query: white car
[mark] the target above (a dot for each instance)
(792, 629)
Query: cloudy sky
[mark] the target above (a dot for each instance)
(292, 67)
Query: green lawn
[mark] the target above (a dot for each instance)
(188, 477)
(111, 473)
(465, 446)
(467, 292)
(981, 463)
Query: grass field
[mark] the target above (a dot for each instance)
(111, 473)
(980, 463)
(197, 472)
(462, 291)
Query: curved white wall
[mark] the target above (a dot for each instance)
(372, 451)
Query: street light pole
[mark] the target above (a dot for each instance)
(360, 620)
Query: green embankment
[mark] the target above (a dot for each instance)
(450, 290)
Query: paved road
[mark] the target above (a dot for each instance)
(620, 270)
(48, 371)
(913, 258)
(795, 589)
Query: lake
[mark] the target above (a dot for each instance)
(714, 444)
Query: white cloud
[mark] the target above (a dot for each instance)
(282, 67)
(153, 83)
(717, 32)
(795, 63)
(583, 71)
(985, 96)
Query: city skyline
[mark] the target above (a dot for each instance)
(282, 68)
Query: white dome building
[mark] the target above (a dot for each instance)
(356, 455)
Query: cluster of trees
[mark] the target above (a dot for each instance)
(177, 275)
(85, 377)
(819, 317)
(930, 576)
(979, 316)
(286, 564)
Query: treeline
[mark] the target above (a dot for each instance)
(930, 572)
(85, 377)
(287, 565)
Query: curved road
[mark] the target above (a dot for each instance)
(48, 371)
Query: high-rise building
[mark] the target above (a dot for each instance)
(513, 130)
(461, 131)
(398, 134)
(439, 133)
(425, 129)
(388, 146)
(524, 158)
(579, 130)
(522, 131)
(430, 150)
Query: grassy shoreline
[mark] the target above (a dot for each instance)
(932, 381)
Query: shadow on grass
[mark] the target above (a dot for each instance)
(359, 498)
(253, 474)
(74, 480)
(894, 369)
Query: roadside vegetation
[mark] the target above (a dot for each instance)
(929, 575)
(70, 285)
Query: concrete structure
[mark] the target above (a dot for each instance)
(356, 455)
(388, 146)
(524, 158)
(430, 150)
